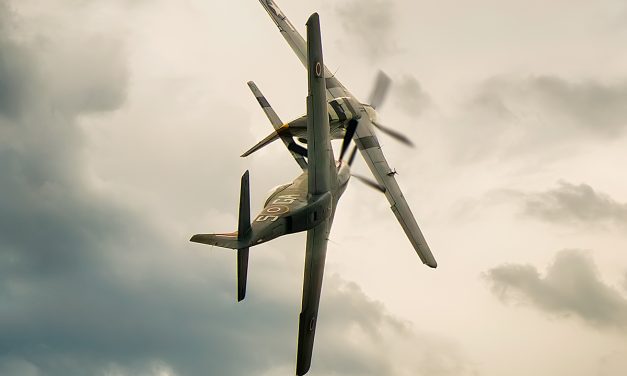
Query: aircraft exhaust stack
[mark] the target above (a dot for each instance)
(243, 230)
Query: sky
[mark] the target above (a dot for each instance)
(121, 126)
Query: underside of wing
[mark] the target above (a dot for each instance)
(293, 38)
(312, 287)
(371, 151)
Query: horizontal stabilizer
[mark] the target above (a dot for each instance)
(220, 240)
(281, 130)
(269, 139)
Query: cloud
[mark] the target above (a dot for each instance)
(571, 203)
(79, 82)
(13, 68)
(410, 96)
(370, 23)
(511, 116)
(90, 285)
(595, 107)
(357, 322)
(572, 286)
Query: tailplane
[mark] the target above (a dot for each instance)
(281, 130)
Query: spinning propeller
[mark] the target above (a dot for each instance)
(377, 97)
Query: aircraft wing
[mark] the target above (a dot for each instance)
(334, 87)
(371, 151)
(321, 175)
(312, 286)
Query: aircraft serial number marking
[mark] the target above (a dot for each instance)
(279, 206)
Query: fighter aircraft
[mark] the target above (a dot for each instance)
(345, 110)
(306, 204)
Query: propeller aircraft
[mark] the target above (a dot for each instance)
(345, 112)
(308, 203)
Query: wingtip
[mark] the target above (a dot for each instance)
(313, 18)
(301, 370)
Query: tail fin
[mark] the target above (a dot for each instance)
(281, 130)
(243, 230)
(239, 240)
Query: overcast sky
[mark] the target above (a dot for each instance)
(121, 126)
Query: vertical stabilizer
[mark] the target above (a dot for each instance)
(243, 231)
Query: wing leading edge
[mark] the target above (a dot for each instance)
(334, 87)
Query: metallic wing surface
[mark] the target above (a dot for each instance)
(334, 88)
(364, 137)
(371, 151)
(322, 178)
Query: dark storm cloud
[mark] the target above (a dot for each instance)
(572, 286)
(573, 203)
(410, 96)
(89, 286)
(370, 23)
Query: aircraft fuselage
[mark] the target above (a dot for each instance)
(290, 208)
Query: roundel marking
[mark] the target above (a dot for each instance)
(318, 69)
(276, 209)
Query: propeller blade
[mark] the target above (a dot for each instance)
(352, 156)
(297, 149)
(381, 87)
(394, 134)
(348, 136)
(370, 183)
